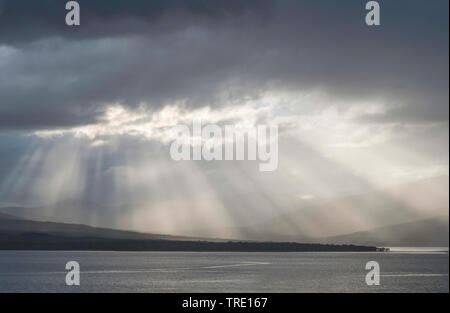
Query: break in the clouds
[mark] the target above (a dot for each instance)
(92, 105)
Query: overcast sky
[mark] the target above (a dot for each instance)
(84, 111)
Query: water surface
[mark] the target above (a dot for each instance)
(44, 271)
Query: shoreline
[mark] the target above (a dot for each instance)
(186, 246)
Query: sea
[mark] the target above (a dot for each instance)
(400, 270)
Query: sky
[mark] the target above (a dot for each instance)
(86, 111)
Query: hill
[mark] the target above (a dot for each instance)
(430, 232)
(389, 207)
(19, 234)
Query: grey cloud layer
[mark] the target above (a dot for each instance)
(215, 53)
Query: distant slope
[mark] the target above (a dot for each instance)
(8, 217)
(401, 204)
(395, 205)
(67, 211)
(430, 232)
(21, 212)
(12, 227)
(18, 234)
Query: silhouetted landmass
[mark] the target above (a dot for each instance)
(15, 226)
(412, 214)
(43, 242)
(20, 234)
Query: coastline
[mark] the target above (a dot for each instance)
(169, 245)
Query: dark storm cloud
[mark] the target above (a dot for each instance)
(214, 53)
(33, 20)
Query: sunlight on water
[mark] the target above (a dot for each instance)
(418, 249)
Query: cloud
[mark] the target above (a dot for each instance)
(215, 53)
(103, 96)
(109, 18)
